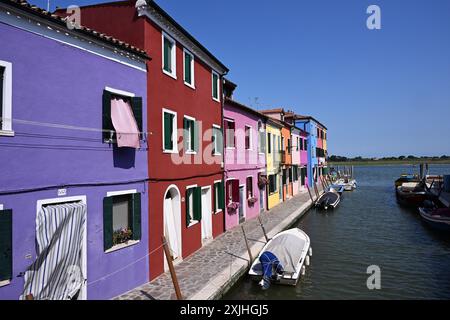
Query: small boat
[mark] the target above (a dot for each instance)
(348, 184)
(336, 188)
(328, 200)
(283, 259)
(405, 178)
(438, 218)
(411, 194)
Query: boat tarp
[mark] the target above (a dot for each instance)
(288, 249)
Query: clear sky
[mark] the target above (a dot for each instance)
(380, 92)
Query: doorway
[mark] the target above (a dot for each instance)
(241, 203)
(172, 224)
(207, 234)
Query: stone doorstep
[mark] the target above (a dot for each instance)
(222, 282)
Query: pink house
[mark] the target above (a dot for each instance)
(245, 164)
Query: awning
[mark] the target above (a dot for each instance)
(57, 272)
(127, 131)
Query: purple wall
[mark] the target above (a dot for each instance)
(56, 83)
(241, 163)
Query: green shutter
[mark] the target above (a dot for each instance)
(137, 228)
(198, 203)
(136, 105)
(188, 217)
(215, 88)
(216, 196)
(220, 140)
(186, 134)
(167, 55)
(107, 125)
(187, 68)
(222, 195)
(196, 137)
(168, 128)
(107, 223)
(5, 245)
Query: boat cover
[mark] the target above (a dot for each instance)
(288, 249)
(270, 265)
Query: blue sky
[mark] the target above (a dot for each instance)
(380, 92)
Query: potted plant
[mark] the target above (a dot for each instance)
(122, 235)
(252, 201)
(232, 207)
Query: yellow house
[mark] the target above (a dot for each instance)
(273, 161)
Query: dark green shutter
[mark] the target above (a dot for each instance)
(188, 217)
(187, 68)
(198, 203)
(5, 245)
(168, 128)
(137, 216)
(107, 223)
(167, 55)
(107, 125)
(136, 105)
(186, 134)
(216, 196)
(215, 88)
(219, 140)
(222, 195)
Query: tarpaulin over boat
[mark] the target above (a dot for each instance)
(57, 272)
(288, 249)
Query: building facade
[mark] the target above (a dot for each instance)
(185, 123)
(73, 197)
(273, 163)
(245, 163)
(296, 162)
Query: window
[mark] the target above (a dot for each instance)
(289, 145)
(189, 79)
(249, 187)
(295, 173)
(248, 138)
(284, 177)
(219, 197)
(6, 98)
(318, 132)
(269, 143)
(298, 143)
(217, 140)
(169, 131)
(6, 260)
(193, 205)
(272, 183)
(305, 145)
(289, 174)
(301, 144)
(121, 219)
(190, 127)
(169, 56)
(229, 134)
(215, 86)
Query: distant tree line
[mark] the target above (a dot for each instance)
(335, 158)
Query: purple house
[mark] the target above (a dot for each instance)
(245, 160)
(73, 196)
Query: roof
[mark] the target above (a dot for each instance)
(244, 107)
(280, 123)
(44, 14)
(308, 118)
(278, 110)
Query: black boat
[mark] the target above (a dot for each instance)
(328, 200)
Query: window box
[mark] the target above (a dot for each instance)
(251, 201)
(232, 207)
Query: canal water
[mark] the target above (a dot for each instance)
(368, 228)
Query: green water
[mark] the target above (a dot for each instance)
(368, 228)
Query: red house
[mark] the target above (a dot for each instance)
(184, 119)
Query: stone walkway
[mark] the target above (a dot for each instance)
(226, 256)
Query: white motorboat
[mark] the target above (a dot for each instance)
(283, 259)
(348, 184)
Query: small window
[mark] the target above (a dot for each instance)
(289, 145)
(190, 127)
(269, 143)
(301, 144)
(230, 134)
(248, 138)
(169, 131)
(219, 198)
(249, 186)
(215, 86)
(193, 205)
(217, 140)
(6, 98)
(169, 56)
(272, 183)
(121, 219)
(189, 69)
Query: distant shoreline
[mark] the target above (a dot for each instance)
(387, 162)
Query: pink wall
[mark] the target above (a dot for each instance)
(241, 163)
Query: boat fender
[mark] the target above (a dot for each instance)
(310, 251)
(307, 260)
(303, 270)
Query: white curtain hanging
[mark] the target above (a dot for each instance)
(170, 231)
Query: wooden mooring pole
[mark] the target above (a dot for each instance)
(263, 229)
(316, 190)
(172, 269)
(248, 246)
(310, 194)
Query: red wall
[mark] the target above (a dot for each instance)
(121, 21)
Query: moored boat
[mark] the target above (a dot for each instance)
(348, 184)
(411, 194)
(336, 188)
(283, 259)
(438, 218)
(328, 200)
(405, 178)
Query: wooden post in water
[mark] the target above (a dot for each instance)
(172, 269)
(310, 194)
(248, 246)
(263, 229)
(316, 190)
